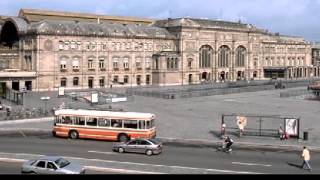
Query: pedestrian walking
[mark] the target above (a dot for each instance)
(242, 123)
(306, 158)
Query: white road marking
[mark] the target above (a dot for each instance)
(27, 121)
(251, 164)
(99, 152)
(124, 171)
(11, 160)
(177, 167)
(139, 164)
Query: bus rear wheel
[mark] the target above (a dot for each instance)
(73, 135)
(123, 138)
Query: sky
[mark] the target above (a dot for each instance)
(288, 17)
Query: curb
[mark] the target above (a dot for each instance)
(174, 141)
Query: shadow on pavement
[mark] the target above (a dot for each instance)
(294, 165)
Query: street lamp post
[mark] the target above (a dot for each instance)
(45, 99)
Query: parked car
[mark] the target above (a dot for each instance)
(144, 146)
(51, 165)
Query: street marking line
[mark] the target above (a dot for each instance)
(142, 164)
(94, 168)
(27, 121)
(251, 164)
(99, 152)
(177, 167)
(11, 160)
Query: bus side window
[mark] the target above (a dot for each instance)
(108, 123)
(142, 124)
(92, 122)
(130, 124)
(148, 124)
(116, 123)
(101, 122)
(104, 122)
(82, 121)
(67, 120)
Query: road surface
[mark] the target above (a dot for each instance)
(173, 160)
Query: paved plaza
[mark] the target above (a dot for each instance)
(199, 118)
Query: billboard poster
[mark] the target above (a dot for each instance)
(94, 97)
(61, 91)
(291, 127)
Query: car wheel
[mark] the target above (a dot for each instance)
(149, 152)
(74, 135)
(123, 138)
(121, 150)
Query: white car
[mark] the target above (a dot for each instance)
(51, 165)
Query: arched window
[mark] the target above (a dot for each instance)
(205, 56)
(224, 55)
(240, 56)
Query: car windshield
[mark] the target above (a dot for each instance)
(155, 141)
(62, 162)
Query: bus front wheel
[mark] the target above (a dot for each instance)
(73, 135)
(123, 138)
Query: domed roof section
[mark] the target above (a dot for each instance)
(97, 29)
(20, 24)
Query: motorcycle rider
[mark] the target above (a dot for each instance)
(228, 143)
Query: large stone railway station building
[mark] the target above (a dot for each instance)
(44, 50)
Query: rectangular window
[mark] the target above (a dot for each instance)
(115, 63)
(126, 63)
(126, 79)
(148, 63)
(138, 64)
(116, 123)
(63, 82)
(90, 64)
(130, 124)
(150, 124)
(92, 121)
(101, 63)
(104, 122)
(148, 79)
(76, 81)
(79, 121)
(142, 125)
(101, 82)
(115, 79)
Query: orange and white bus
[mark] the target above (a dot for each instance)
(103, 125)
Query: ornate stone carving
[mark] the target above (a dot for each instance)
(48, 45)
(190, 45)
